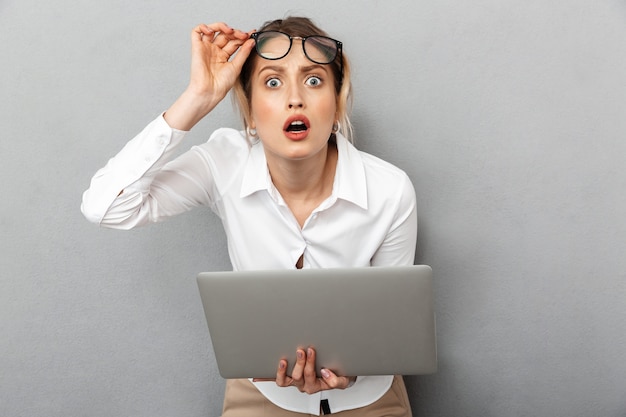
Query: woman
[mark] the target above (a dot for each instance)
(290, 189)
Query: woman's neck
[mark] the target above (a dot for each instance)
(305, 184)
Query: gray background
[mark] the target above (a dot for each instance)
(509, 116)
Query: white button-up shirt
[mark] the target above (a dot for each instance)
(369, 219)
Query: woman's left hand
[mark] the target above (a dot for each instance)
(305, 378)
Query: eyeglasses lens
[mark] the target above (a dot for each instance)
(276, 45)
(273, 45)
(319, 49)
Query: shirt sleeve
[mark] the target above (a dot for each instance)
(398, 247)
(138, 185)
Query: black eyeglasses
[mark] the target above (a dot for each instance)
(275, 45)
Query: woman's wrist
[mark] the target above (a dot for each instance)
(189, 109)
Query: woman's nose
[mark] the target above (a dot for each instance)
(295, 99)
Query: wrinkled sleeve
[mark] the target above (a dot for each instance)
(139, 185)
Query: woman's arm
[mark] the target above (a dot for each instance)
(398, 247)
(213, 73)
(135, 187)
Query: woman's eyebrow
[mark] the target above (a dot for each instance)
(281, 69)
(272, 68)
(315, 67)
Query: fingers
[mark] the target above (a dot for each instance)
(233, 45)
(244, 51)
(219, 38)
(282, 379)
(221, 27)
(200, 31)
(304, 377)
(298, 370)
(209, 30)
(296, 379)
(220, 34)
(311, 383)
(336, 382)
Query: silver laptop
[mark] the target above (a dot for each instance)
(361, 321)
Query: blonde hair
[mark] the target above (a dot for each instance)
(298, 26)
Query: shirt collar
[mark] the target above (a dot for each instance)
(349, 185)
(256, 176)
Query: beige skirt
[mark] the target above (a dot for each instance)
(242, 399)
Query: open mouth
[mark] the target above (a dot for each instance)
(296, 126)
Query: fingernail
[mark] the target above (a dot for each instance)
(325, 373)
(309, 352)
(281, 365)
(300, 354)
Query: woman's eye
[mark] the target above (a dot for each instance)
(273, 83)
(313, 81)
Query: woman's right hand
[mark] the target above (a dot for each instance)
(213, 72)
(304, 376)
(212, 46)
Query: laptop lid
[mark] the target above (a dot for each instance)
(361, 321)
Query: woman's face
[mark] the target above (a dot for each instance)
(293, 104)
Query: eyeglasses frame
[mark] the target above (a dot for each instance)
(339, 44)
